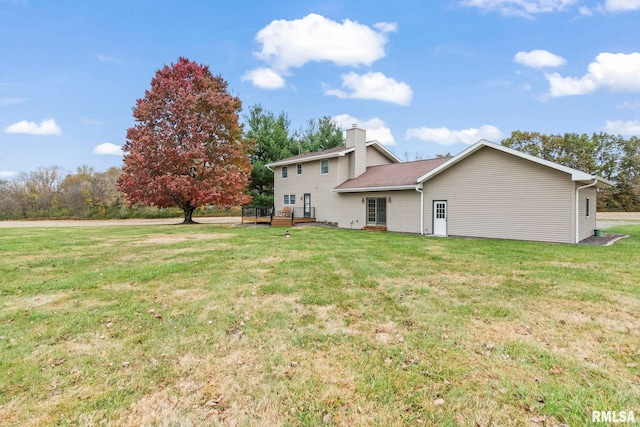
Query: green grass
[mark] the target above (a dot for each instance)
(222, 325)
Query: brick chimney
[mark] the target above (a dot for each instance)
(357, 138)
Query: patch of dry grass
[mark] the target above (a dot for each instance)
(219, 325)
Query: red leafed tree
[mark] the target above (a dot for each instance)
(186, 148)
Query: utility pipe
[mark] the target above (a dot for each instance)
(419, 190)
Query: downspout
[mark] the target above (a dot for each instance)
(419, 190)
(595, 181)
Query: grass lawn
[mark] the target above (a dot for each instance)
(223, 325)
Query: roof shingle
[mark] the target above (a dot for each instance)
(392, 175)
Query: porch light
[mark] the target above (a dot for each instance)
(363, 200)
(389, 199)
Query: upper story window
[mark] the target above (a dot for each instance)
(285, 172)
(324, 167)
(299, 169)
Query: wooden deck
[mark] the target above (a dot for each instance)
(303, 220)
(375, 228)
(281, 221)
(278, 221)
(257, 219)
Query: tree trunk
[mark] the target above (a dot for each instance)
(188, 214)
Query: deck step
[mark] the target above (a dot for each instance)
(375, 228)
(281, 222)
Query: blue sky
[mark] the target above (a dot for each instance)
(424, 77)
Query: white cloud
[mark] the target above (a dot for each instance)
(11, 101)
(585, 11)
(622, 5)
(264, 78)
(618, 72)
(7, 174)
(539, 59)
(108, 58)
(445, 136)
(375, 127)
(108, 149)
(618, 127)
(373, 86)
(626, 105)
(525, 8)
(46, 127)
(288, 44)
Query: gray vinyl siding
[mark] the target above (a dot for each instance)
(312, 182)
(586, 225)
(496, 195)
(375, 158)
(403, 210)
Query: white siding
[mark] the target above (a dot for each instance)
(403, 210)
(375, 158)
(496, 195)
(312, 182)
(586, 225)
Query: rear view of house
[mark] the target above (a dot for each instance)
(488, 191)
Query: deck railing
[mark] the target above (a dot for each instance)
(309, 212)
(256, 212)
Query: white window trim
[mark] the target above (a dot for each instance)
(299, 169)
(322, 169)
(285, 171)
(588, 207)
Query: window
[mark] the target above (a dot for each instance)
(284, 172)
(588, 208)
(324, 167)
(289, 199)
(377, 211)
(299, 169)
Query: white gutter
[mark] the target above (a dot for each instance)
(373, 189)
(419, 190)
(269, 167)
(595, 181)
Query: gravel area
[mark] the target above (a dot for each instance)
(605, 239)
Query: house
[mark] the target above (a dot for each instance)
(488, 191)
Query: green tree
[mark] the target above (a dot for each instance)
(321, 134)
(273, 143)
(609, 156)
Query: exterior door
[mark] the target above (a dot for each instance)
(440, 217)
(307, 205)
(377, 211)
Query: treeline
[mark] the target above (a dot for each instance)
(50, 193)
(85, 194)
(610, 156)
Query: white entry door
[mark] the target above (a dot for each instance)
(440, 218)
